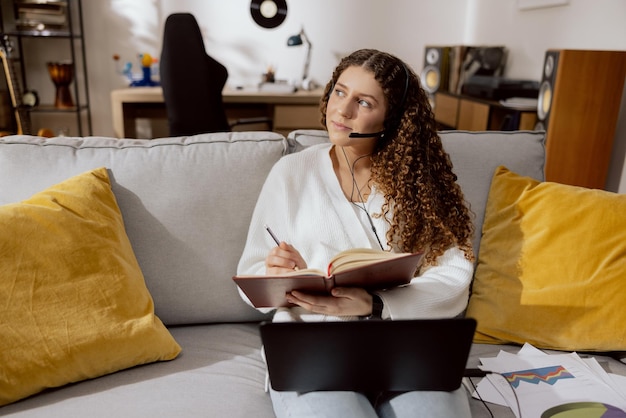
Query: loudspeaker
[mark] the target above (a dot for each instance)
(579, 101)
(435, 75)
(546, 89)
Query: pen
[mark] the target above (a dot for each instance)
(276, 240)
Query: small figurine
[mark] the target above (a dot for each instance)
(270, 75)
(145, 79)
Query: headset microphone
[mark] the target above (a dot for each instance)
(369, 135)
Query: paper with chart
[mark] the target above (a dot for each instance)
(542, 381)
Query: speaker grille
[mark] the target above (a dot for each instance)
(548, 68)
(431, 79)
(432, 56)
(545, 100)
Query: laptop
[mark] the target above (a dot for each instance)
(368, 356)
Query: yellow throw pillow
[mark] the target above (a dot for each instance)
(552, 266)
(73, 301)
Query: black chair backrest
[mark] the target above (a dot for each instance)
(192, 81)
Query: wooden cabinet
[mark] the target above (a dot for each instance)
(291, 117)
(472, 114)
(446, 109)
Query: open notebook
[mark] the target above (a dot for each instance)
(368, 356)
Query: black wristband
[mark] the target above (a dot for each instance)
(377, 308)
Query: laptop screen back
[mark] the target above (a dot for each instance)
(364, 356)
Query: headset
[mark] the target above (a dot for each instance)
(380, 134)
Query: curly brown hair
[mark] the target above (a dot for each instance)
(409, 164)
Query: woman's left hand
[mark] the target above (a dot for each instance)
(344, 301)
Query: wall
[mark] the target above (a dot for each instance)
(402, 27)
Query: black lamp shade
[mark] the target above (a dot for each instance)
(294, 40)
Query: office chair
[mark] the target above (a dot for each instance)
(192, 81)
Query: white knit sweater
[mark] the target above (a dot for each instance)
(304, 205)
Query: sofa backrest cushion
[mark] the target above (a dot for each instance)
(475, 157)
(186, 204)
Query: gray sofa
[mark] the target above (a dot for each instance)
(186, 204)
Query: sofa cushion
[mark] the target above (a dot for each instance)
(220, 373)
(186, 201)
(551, 266)
(73, 301)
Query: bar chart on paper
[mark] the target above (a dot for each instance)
(535, 384)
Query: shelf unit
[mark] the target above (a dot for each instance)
(57, 43)
(453, 111)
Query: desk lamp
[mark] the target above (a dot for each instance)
(297, 40)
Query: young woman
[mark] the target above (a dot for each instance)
(384, 181)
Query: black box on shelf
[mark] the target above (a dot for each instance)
(498, 88)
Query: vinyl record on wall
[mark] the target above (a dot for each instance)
(268, 13)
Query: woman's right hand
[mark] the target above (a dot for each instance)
(283, 259)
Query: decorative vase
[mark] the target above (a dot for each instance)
(62, 74)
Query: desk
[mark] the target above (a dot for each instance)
(289, 111)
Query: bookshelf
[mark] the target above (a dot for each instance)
(55, 27)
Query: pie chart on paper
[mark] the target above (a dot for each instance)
(584, 410)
